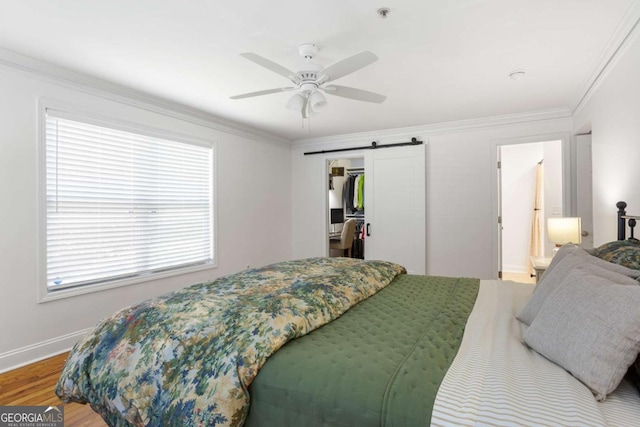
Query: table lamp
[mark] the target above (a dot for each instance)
(564, 230)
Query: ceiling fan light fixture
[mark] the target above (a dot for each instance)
(317, 101)
(296, 103)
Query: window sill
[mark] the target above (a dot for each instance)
(45, 295)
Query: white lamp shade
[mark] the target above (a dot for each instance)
(296, 103)
(564, 230)
(317, 101)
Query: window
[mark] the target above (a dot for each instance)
(122, 205)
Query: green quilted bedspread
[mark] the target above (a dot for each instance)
(380, 364)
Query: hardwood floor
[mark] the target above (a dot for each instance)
(34, 384)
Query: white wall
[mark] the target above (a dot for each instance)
(253, 207)
(612, 113)
(461, 215)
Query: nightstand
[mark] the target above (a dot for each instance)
(539, 265)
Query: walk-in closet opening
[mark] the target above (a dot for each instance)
(346, 208)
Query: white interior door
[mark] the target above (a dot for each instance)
(395, 205)
(584, 204)
(499, 219)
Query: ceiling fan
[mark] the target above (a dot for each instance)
(310, 80)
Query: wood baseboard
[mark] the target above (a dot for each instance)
(24, 356)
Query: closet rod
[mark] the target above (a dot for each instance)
(374, 145)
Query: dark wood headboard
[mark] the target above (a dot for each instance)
(624, 220)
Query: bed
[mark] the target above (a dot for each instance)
(341, 342)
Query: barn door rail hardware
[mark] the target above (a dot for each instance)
(374, 146)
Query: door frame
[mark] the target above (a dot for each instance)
(584, 192)
(568, 184)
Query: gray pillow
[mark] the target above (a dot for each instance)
(589, 326)
(565, 250)
(551, 281)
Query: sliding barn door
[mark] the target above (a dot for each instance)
(395, 203)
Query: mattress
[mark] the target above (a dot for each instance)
(380, 364)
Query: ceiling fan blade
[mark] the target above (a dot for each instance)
(353, 93)
(262, 92)
(347, 66)
(270, 65)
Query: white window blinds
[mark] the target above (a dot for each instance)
(121, 205)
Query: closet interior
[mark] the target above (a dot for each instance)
(346, 207)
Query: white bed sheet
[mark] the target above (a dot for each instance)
(496, 380)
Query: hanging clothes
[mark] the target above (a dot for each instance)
(353, 193)
(356, 183)
(347, 193)
(361, 192)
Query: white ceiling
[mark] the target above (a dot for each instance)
(440, 60)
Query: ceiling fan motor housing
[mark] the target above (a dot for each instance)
(308, 72)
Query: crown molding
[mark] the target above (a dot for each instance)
(126, 95)
(438, 128)
(624, 33)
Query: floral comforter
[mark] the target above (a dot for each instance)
(188, 357)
